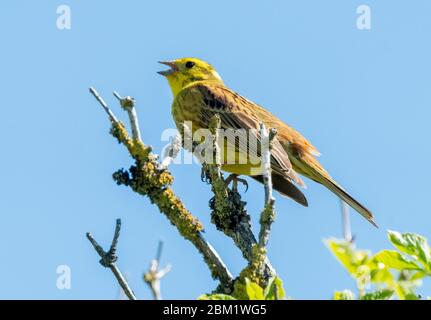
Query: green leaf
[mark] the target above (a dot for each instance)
(411, 296)
(378, 295)
(254, 291)
(412, 244)
(347, 255)
(380, 273)
(275, 285)
(395, 260)
(418, 276)
(217, 296)
(344, 295)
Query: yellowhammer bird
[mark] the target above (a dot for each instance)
(199, 93)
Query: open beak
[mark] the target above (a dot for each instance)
(173, 68)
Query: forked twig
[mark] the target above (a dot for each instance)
(128, 104)
(108, 259)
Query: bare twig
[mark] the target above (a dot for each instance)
(268, 214)
(128, 104)
(214, 262)
(103, 104)
(159, 251)
(266, 138)
(109, 258)
(121, 294)
(345, 216)
(153, 276)
(215, 127)
(148, 179)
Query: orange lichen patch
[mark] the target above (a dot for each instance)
(135, 147)
(253, 272)
(147, 179)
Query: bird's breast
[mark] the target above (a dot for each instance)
(186, 111)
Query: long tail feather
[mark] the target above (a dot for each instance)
(343, 195)
(308, 166)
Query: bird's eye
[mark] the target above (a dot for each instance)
(189, 64)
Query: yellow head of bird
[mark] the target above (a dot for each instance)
(186, 71)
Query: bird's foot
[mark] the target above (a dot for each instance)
(234, 179)
(205, 175)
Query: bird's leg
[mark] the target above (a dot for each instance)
(234, 179)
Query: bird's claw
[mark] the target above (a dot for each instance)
(234, 179)
(205, 175)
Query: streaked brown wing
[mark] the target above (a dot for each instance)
(236, 112)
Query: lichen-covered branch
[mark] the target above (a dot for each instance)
(228, 210)
(146, 178)
(345, 216)
(151, 179)
(108, 259)
(267, 216)
(229, 213)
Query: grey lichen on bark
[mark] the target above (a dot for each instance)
(229, 212)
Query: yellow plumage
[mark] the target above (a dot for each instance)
(199, 94)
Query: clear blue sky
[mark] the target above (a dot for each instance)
(362, 97)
